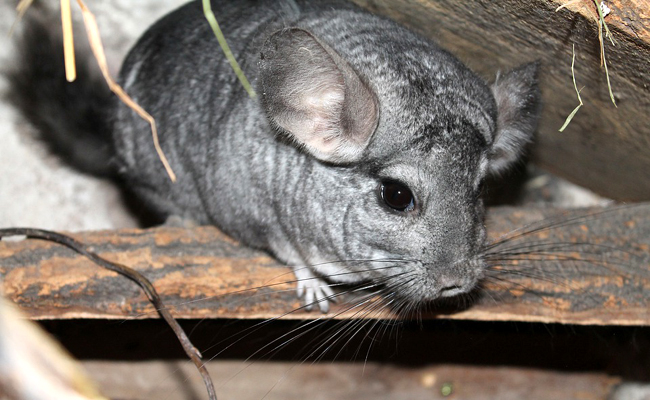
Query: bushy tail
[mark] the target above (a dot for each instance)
(71, 118)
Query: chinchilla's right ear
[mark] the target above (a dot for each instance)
(518, 105)
(314, 97)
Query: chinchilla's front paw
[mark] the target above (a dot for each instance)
(177, 221)
(314, 289)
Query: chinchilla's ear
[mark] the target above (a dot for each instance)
(518, 103)
(314, 97)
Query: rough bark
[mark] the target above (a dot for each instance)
(201, 273)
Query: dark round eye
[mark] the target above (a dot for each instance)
(397, 196)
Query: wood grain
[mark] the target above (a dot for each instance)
(201, 273)
(605, 148)
(347, 381)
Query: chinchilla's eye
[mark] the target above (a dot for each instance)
(397, 196)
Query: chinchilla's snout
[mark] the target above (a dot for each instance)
(450, 279)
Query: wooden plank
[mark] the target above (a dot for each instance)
(605, 148)
(276, 380)
(201, 273)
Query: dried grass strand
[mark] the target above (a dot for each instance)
(603, 61)
(68, 41)
(98, 50)
(602, 26)
(575, 86)
(212, 20)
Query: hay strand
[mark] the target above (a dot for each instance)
(21, 9)
(602, 26)
(573, 75)
(98, 50)
(68, 41)
(603, 61)
(212, 20)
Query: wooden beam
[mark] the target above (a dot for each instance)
(369, 380)
(201, 273)
(605, 148)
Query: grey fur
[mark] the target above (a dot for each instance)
(299, 171)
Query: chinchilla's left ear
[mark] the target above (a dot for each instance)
(518, 102)
(314, 98)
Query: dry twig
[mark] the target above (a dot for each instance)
(192, 352)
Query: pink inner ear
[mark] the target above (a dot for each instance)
(314, 114)
(328, 99)
(323, 107)
(316, 97)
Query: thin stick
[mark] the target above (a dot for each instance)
(68, 41)
(191, 351)
(98, 50)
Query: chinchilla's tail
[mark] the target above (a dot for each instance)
(71, 118)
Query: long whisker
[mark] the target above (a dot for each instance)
(337, 334)
(287, 282)
(257, 326)
(555, 223)
(520, 259)
(310, 325)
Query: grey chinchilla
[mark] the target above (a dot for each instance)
(362, 159)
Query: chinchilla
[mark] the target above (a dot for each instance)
(361, 160)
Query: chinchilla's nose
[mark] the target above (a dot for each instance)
(452, 279)
(453, 286)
